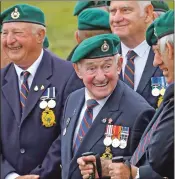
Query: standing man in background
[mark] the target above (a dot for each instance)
(129, 20)
(34, 88)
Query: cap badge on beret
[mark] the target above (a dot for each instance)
(15, 14)
(105, 47)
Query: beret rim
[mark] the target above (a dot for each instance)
(166, 33)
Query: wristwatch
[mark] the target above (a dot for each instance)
(137, 174)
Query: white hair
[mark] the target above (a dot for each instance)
(162, 42)
(142, 5)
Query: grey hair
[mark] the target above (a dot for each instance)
(162, 42)
(36, 27)
(142, 5)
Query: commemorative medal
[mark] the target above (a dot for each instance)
(124, 137)
(51, 103)
(108, 134)
(51, 94)
(48, 118)
(155, 86)
(155, 91)
(43, 104)
(116, 136)
(107, 154)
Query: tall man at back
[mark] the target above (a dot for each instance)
(129, 20)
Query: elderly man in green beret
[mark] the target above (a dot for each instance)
(91, 22)
(102, 119)
(160, 7)
(81, 5)
(34, 88)
(155, 152)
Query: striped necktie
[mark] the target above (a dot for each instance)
(130, 69)
(24, 89)
(85, 123)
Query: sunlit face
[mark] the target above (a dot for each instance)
(18, 41)
(164, 63)
(99, 75)
(126, 19)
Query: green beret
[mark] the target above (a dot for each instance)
(93, 19)
(46, 42)
(81, 5)
(160, 6)
(165, 24)
(150, 36)
(23, 13)
(98, 46)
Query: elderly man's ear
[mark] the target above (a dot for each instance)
(170, 50)
(40, 36)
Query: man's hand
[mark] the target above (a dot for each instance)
(28, 177)
(121, 171)
(85, 167)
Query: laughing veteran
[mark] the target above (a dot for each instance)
(106, 109)
(33, 91)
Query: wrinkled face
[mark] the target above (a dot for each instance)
(164, 63)
(99, 75)
(126, 19)
(18, 41)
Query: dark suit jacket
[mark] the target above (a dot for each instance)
(26, 143)
(144, 87)
(166, 110)
(124, 106)
(161, 148)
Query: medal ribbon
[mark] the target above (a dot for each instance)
(116, 131)
(109, 129)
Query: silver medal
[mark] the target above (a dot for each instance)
(43, 104)
(123, 144)
(155, 92)
(107, 141)
(51, 103)
(115, 143)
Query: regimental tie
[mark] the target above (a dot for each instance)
(24, 89)
(130, 69)
(85, 123)
(144, 142)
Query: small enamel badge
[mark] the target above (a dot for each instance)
(36, 88)
(15, 14)
(105, 47)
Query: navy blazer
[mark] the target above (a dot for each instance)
(163, 139)
(144, 88)
(157, 158)
(26, 143)
(124, 106)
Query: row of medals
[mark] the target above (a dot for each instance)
(50, 104)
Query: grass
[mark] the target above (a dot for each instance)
(61, 24)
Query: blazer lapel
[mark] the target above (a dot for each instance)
(147, 73)
(44, 72)
(96, 132)
(11, 92)
(70, 129)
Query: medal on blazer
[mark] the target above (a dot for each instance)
(107, 154)
(51, 94)
(48, 118)
(155, 86)
(163, 85)
(124, 137)
(108, 134)
(160, 99)
(116, 136)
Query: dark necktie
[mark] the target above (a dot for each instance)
(24, 89)
(85, 123)
(130, 69)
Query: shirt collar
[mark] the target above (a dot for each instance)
(101, 102)
(140, 49)
(33, 68)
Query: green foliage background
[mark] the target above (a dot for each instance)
(61, 24)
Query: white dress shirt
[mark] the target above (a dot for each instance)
(96, 110)
(32, 69)
(140, 60)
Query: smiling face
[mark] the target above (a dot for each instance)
(126, 19)
(99, 75)
(20, 44)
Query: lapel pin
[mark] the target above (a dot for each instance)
(104, 120)
(36, 88)
(42, 87)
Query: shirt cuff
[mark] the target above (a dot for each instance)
(12, 175)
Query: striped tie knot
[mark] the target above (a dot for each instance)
(91, 103)
(131, 55)
(25, 74)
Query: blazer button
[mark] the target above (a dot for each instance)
(22, 151)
